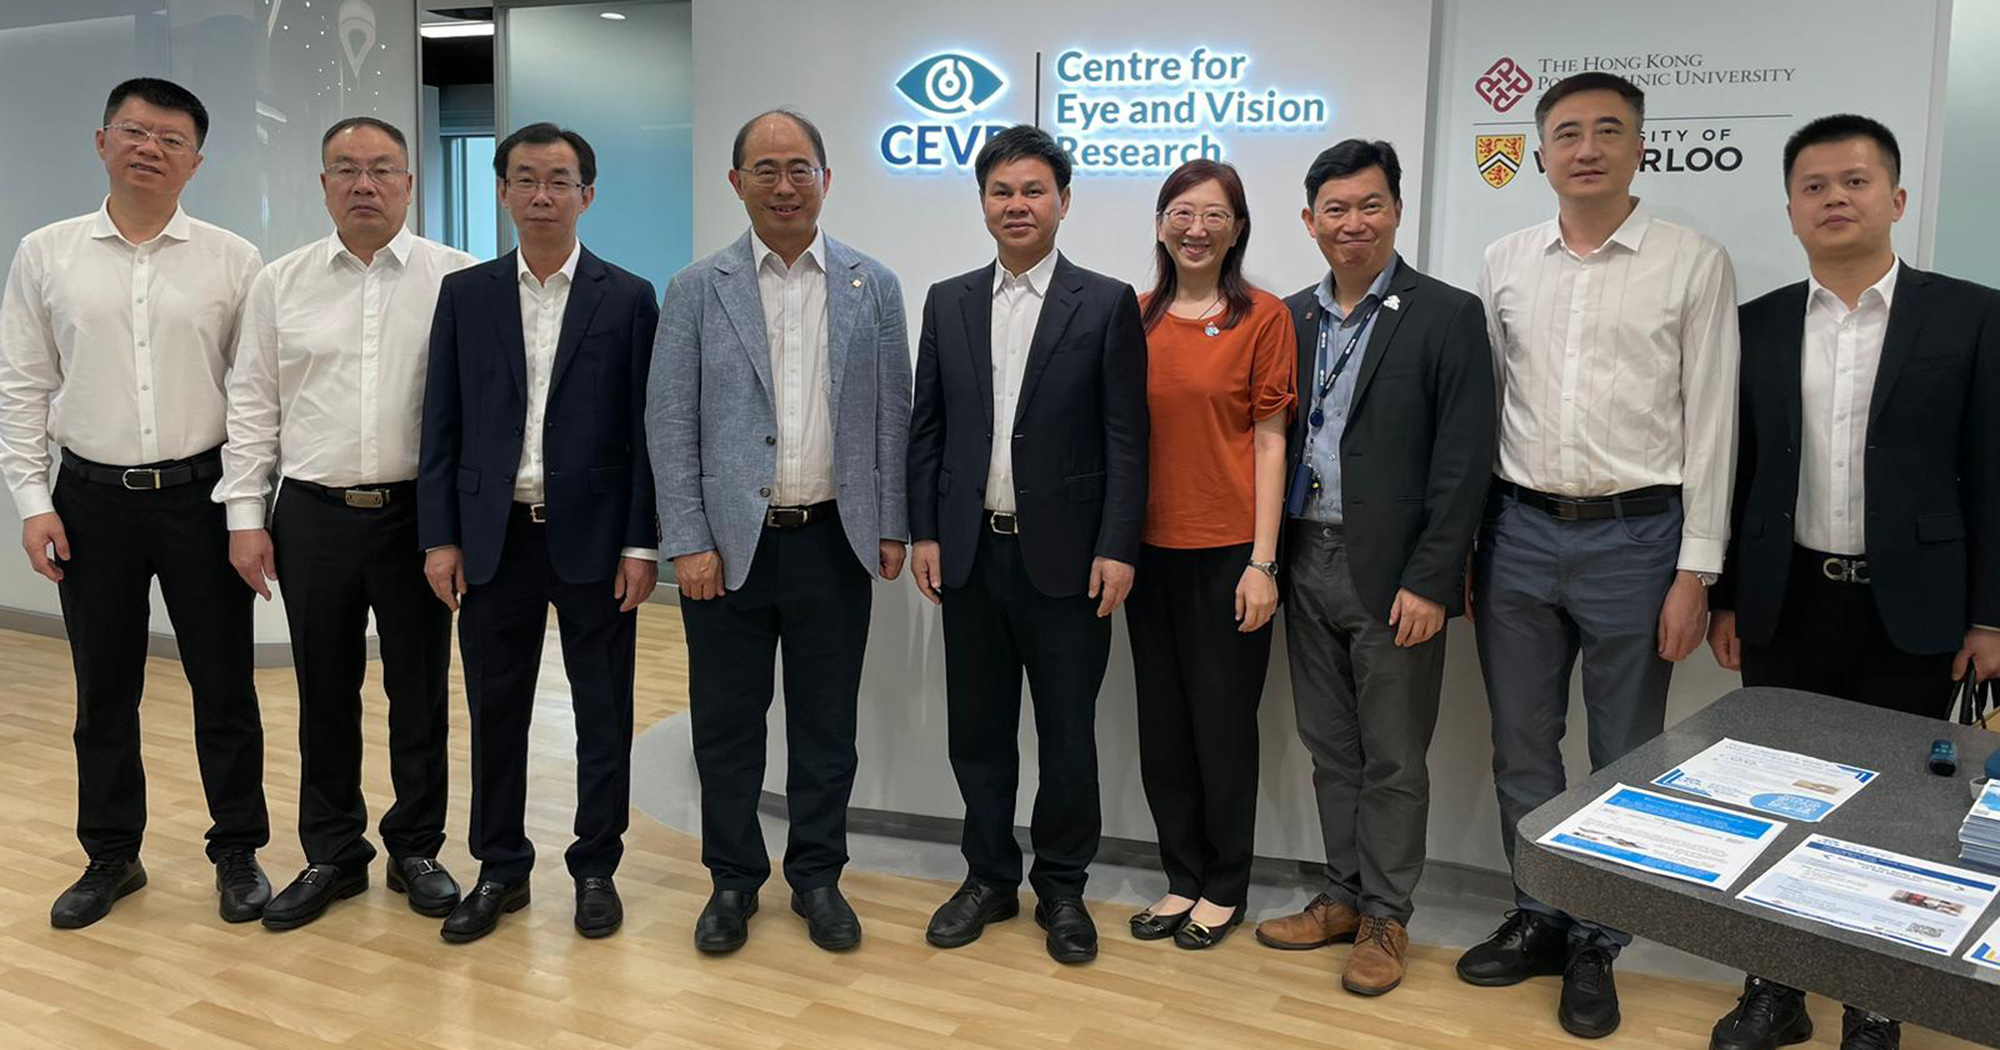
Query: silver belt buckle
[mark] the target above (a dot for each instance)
(366, 499)
(125, 479)
(1004, 524)
(787, 517)
(538, 513)
(1845, 570)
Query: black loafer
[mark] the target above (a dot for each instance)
(1149, 925)
(1589, 1005)
(599, 912)
(724, 925)
(431, 889)
(307, 897)
(830, 921)
(90, 898)
(241, 885)
(1526, 945)
(960, 920)
(1767, 1015)
(1072, 935)
(1194, 936)
(479, 913)
(1861, 1030)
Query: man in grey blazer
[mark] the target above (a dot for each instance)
(777, 417)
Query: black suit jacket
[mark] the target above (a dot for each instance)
(598, 482)
(1932, 472)
(1079, 434)
(1416, 454)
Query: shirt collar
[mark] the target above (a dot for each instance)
(764, 253)
(399, 248)
(1037, 277)
(1628, 235)
(568, 270)
(1376, 289)
(176, 228)
(1884, 291)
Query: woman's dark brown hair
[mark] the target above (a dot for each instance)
(1235, 290)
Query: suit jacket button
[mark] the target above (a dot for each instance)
(509, 479)
(517, 431)
(764, 492)
(770, 439)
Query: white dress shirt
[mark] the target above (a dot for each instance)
(1842, 351)
(1616, 370)
(330, 365)
(117, 351)
(794, 299)
(542, 307)
(1017, 307)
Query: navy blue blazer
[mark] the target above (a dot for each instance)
(598, 481)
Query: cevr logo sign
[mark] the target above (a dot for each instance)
(947, 85)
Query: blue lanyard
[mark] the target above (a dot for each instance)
(1330, 376)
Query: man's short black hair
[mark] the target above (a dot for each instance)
(395, 133)
(543, 134)
(1017, 142)
(1345, 158)
(793, 115)
(1592, 81)
(1839, 128)
(162, 93)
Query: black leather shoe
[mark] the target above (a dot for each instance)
(599, 912)
(307, 897)
(431, 889)
(1149, 925)
(1526, 945)
(479, 913)
(1194, 936)
(1072, 935)
(1589, 1006)
(90, 898)
(241, 884)
(830, 921)
(1767, 1016)
(1861, 1030)
(960, 920)
(724, 925)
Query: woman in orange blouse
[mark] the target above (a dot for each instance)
(1220, 357)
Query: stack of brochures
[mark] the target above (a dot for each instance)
(1979, 836)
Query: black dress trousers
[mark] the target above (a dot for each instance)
(501, 624)
(996, 626)
(809, 599)
(119, 540)
(336, 564)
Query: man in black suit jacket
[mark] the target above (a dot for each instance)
(1027, 489)
(534, 488)
(1864, 560)
(1390, 455)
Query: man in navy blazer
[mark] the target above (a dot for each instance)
(534, 489)
(779, 414)
(1027, 483)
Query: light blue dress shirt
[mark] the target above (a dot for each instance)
(1323, 441)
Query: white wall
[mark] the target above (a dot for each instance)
(1968, 227)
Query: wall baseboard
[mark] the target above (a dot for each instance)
(160, 644)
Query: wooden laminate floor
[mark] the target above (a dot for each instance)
(164, 971)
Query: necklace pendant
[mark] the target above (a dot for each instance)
(1211, 331)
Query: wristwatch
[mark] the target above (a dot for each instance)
(1707, 578)
(1268, 568)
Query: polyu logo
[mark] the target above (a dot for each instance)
(950, 84)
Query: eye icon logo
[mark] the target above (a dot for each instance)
(950, 84)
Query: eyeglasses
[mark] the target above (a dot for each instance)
(350, 172)
(524, 186)
(801, 175)
(132, 135)
(1184, 218)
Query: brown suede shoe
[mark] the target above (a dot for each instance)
(1376, 964)
(1324, 922)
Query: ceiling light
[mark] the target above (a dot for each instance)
(449, 30)
(612, 15)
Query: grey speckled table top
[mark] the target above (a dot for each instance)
(1907, 809)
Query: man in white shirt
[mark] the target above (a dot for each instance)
(1865, 562)
(533, 489)
(326, 393)
(115, 333)
(1615, 352)
(779, 416)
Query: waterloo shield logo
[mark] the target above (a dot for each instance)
(1499, 157)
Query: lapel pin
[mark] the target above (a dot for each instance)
(857, 282)
(1393, 303)
(1309, 315)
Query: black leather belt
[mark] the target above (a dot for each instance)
(1839, 568)
(360, 497)
(797, 517)
(1638, 503)
(150, 477)
(1003, 523)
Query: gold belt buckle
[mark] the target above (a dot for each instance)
(366, 499)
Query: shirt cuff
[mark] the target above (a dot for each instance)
(641, 553)
(31, 500)
(1985, 627)
(1700, 555)
(244, 515)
